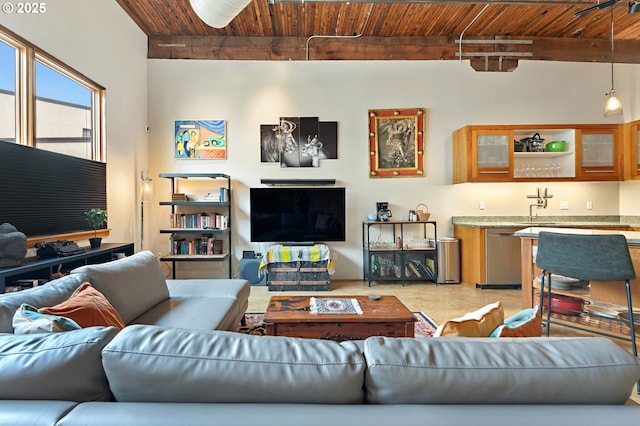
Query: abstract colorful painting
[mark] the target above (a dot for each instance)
(200, 139)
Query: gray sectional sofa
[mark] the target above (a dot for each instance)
(166, 372)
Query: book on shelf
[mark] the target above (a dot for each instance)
(179, 197)
(424, 270)
(414, 269)
(198, 220)
(204, 245)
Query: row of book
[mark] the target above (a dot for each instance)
(220, 196)
(417, 269)
(205, 245)
(199, 220)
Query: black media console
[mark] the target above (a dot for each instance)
(38, 270)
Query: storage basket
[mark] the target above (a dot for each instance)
(423, 215)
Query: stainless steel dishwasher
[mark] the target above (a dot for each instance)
(502, 259)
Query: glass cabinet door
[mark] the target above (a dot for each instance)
(598, 159)
(493, 155)
(597, 150)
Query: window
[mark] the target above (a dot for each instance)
(47, 104)
(7, 92)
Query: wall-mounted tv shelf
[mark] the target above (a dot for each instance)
(268, 181)
(197, 234)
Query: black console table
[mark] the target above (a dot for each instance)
(39, 269)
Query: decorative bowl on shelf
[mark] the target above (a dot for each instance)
(555, 146)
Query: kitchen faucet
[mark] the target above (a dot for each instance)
(541, 201)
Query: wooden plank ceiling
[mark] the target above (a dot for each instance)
(418, 30)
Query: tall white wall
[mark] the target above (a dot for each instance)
(98, 39)
(248, 94)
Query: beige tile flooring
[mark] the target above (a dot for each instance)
(440, 302)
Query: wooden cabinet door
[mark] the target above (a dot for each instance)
(598, 153)
(632, 150)
(492, 154)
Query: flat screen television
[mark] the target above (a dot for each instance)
(297, 215)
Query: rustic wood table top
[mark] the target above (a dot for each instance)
(297, 309)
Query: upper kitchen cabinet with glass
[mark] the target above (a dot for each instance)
(600, 154)
(517, 153)
(483, 154)
(632, 150)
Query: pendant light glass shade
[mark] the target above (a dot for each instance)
(613, 106)
(218, 13)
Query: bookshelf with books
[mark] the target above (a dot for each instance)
(199, 221)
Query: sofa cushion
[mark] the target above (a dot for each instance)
(143, 362)
(48, 294)
(87, 307)
(55, 366)
(238, 289)
(132, 285)
(526, 323)
(28, 320)
(479, 323)
(35, 413)
(579, 370)
(208, 287)
(197, 313)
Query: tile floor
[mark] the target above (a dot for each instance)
(440, 302)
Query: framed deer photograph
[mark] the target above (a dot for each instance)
(396, 142)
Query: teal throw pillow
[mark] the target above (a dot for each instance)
(27, 320)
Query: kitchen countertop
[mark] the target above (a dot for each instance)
(633, 237)
(547, 221)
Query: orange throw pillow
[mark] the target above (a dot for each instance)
(479, 323)
(87, 307)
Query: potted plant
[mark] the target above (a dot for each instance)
(95, 218)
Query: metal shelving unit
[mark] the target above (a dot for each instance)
(199, 249)
(402, 251)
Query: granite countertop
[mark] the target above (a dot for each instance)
(633, 237)
(547, 221)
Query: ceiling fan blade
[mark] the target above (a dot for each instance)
(598, 6)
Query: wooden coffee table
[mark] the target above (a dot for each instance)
(291, 316)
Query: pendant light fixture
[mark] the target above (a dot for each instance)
(614, 105)
(218, 13)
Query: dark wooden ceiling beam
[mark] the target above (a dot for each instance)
(381, 48)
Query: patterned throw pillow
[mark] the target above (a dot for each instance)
(27, 320)
(526, 323)
(479, 323)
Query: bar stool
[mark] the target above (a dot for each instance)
(588, 257)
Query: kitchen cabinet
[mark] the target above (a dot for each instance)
(400, 251)
(488, 153)
(197, 232)
(599, 157)
(631, 150)
(601, 300)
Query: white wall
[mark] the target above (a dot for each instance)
(98, 39)
(248, 94)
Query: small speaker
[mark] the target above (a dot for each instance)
(249, 270)
(248, 254)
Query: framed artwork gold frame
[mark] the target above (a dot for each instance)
(396, 142)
